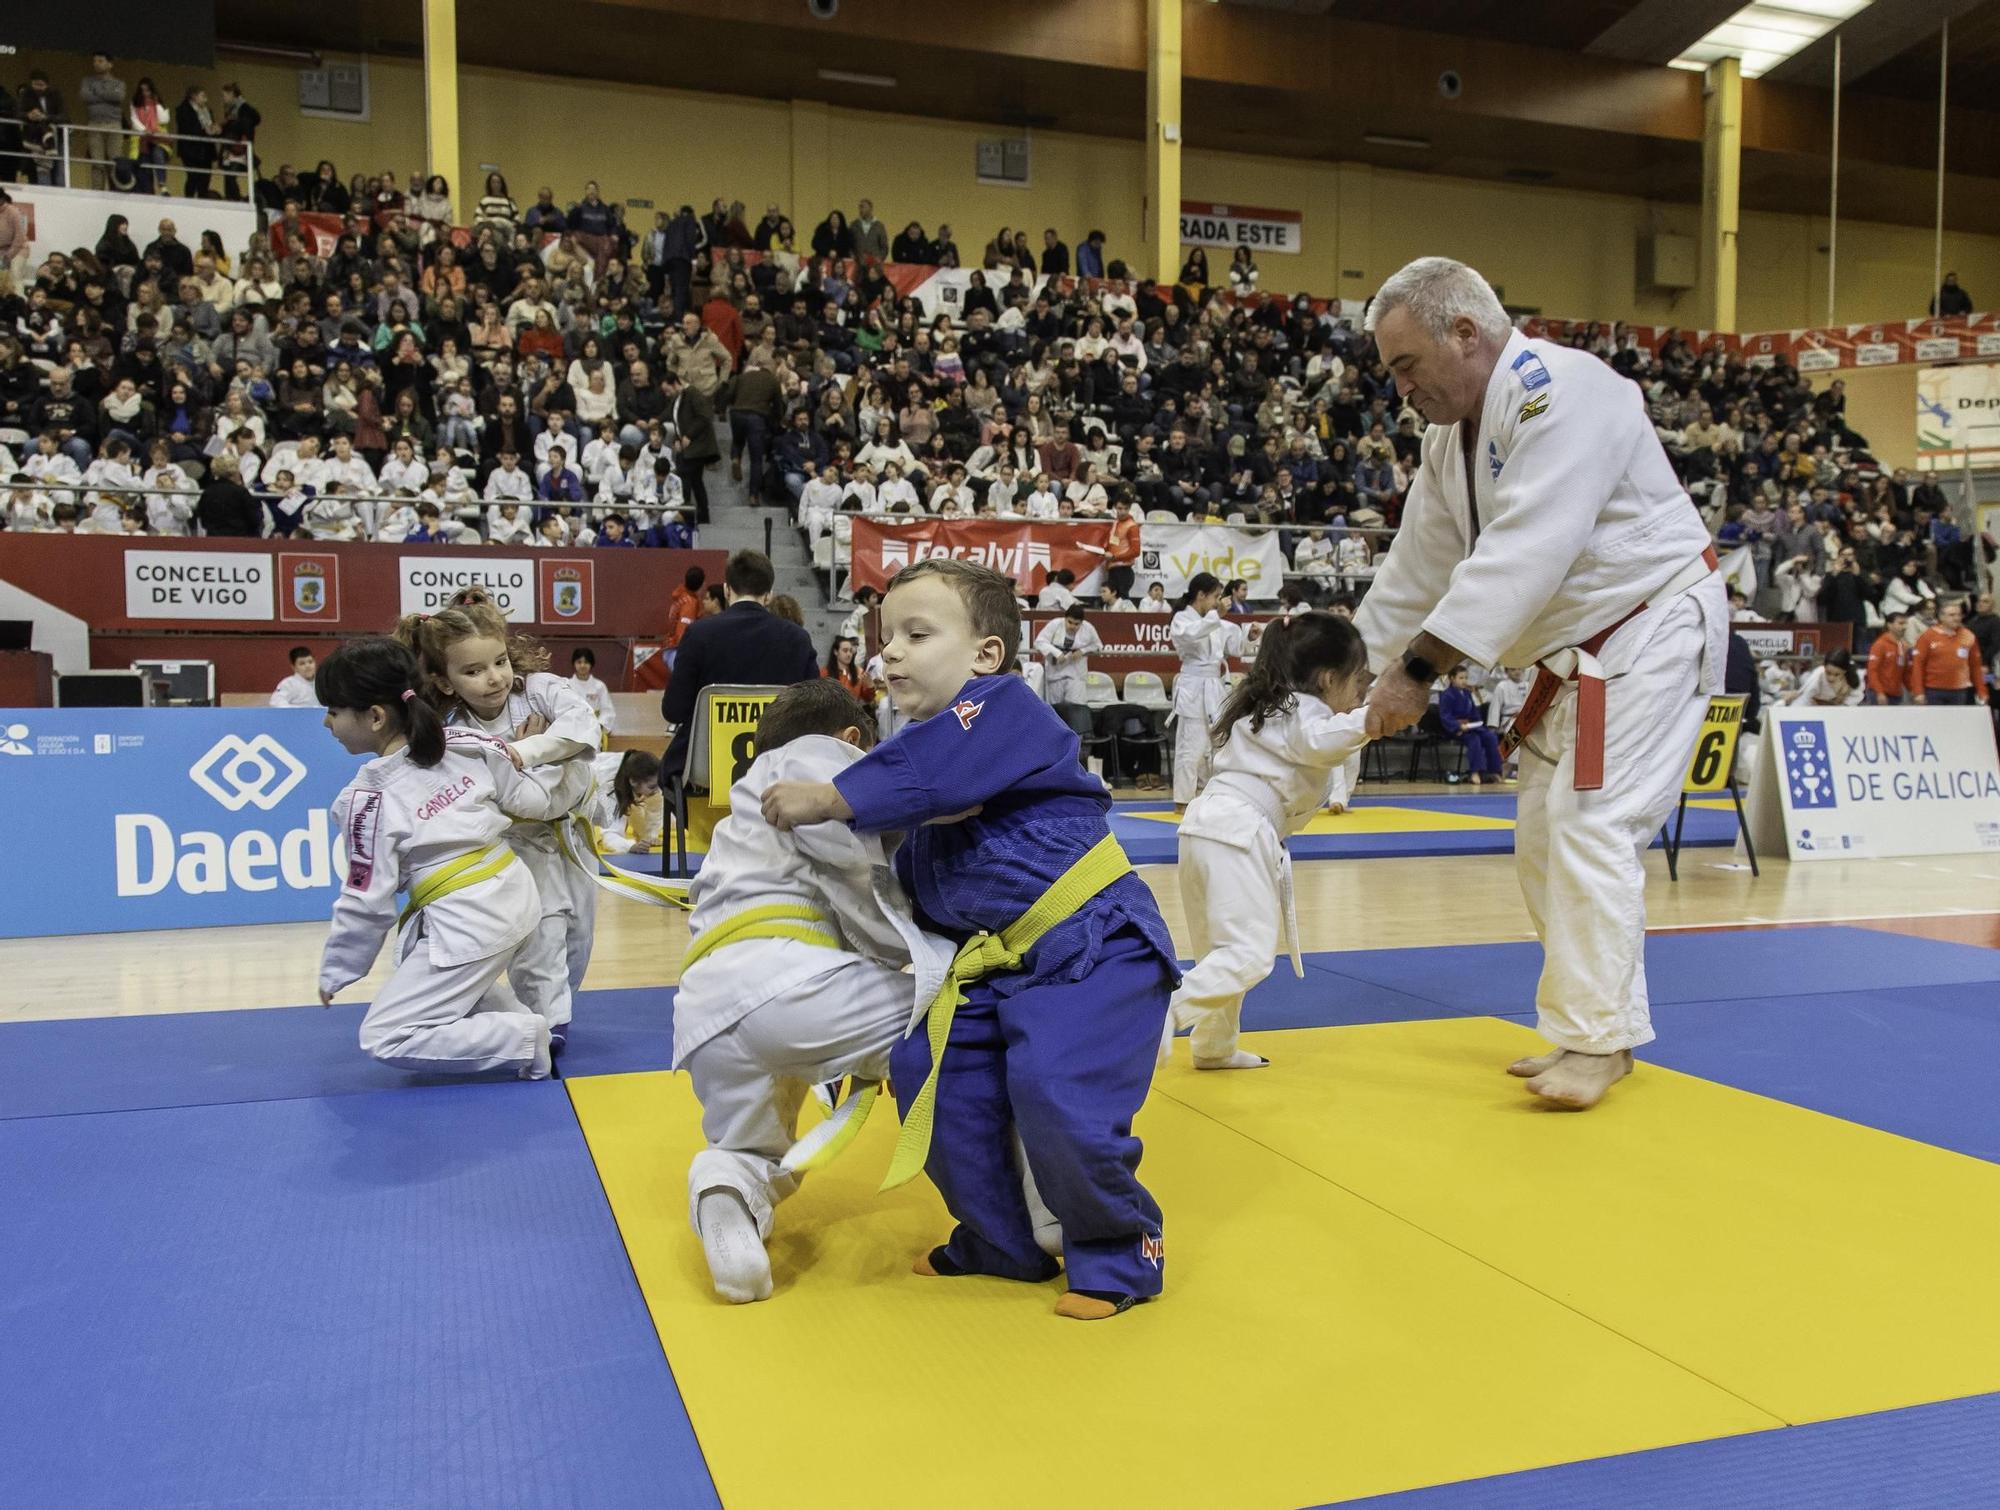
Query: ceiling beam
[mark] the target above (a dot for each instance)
(1657, 31)
(1885, 30)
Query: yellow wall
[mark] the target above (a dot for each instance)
(1882, 405)
(1566, 253)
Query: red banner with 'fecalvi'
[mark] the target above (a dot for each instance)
(1025, 549)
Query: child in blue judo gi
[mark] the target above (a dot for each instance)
(1049, 1020)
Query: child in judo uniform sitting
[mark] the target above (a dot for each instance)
(793, 977)
(1049, 1019)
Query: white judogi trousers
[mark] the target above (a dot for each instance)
(449, 1019)
(1235, 919)
(1197, 701)
(752, 1077)
(549, 969)
(1580, 854)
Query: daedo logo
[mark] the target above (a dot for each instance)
(251, 769)
(238, 774)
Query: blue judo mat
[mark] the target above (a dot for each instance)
(410, 1299)
(1774, 1012)
(1155, 841)
(344, 1273)
(1926, 1457)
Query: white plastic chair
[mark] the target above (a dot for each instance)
(1099, 691)
(1146, 689)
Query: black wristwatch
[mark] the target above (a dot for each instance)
(1418, 670)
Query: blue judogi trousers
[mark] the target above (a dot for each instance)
(1068, 1064)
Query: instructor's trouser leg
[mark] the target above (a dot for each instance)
(1580, 854)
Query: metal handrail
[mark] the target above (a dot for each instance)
(67, 154)
(914, 515)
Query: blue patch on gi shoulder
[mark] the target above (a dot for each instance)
(1533, 374)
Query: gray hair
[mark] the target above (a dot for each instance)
(1439, 291)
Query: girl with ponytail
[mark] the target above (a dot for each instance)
(1291, 721)
(1203, 639)
(482, 676)
(427, 816)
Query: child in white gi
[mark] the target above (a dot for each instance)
(1201, 637)
(759, 1018)
(484, 678)
(1288, 723)
(428, 816)
(628, 811)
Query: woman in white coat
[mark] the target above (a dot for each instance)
(1201, 638)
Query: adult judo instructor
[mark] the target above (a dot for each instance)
(1545, 527)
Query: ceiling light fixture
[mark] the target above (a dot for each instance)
(1765, 34)
(872, 80)
(1382, 139)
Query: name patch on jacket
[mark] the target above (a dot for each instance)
(1532, 373)
(362, 822)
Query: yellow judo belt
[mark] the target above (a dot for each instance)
(989, 954)
(456, 875)
(621, 883)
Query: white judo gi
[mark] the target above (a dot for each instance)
(1266, 785)
(1576, 522)
(598, 697)
(445, 1008)
(1201, 641)
(1065, 650)
(760, 1020)
(549, 972)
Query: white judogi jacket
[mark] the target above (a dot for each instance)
(1275, 776)
(401, 821)
(828, 866)
(1066, 669)
(1579, 519)
(598, 697)
(1201, 641)
(294, 692)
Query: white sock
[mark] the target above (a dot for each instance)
(1242, 1059)
(736, 1258)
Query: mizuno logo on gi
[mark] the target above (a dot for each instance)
(1152, 1249)
(1539, 404)
(966, 711)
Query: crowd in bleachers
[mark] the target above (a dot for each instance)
(551, 375)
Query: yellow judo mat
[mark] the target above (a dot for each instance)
(1386, 1269)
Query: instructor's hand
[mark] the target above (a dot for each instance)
(1395, 702)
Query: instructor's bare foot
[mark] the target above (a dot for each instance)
(1577, 1082)
(1535, 1064)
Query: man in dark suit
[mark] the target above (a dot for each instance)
(695, 446)
(745, 644)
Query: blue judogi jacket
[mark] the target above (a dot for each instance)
(1001, 748)
(1457, 708)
